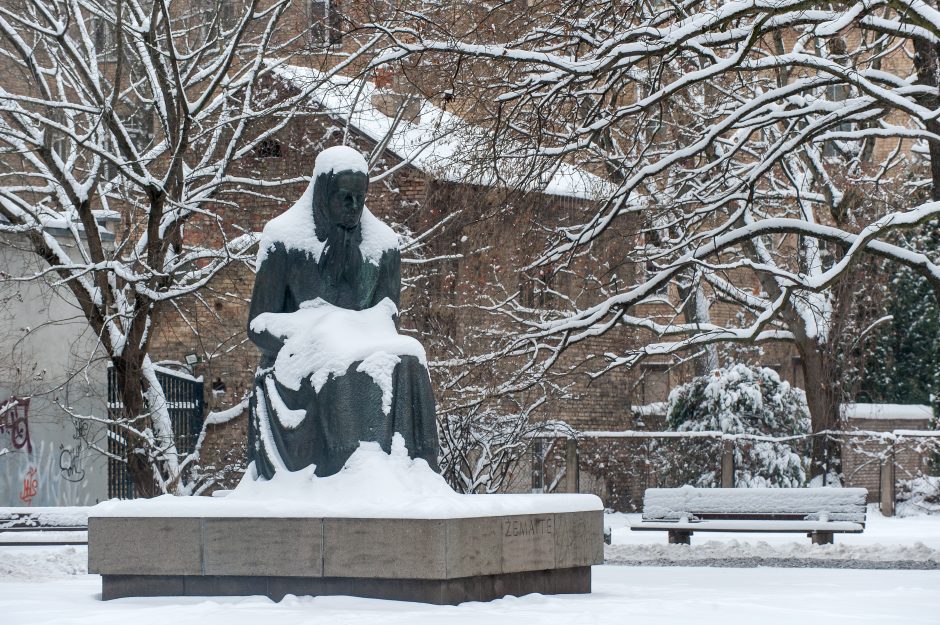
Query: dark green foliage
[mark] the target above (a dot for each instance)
(902, 359)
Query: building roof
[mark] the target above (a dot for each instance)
(437, 142)
(59, 226)
(900, 412)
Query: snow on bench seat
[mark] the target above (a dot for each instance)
(820, 512)
(66, 525)
(834, 504)
(71, 517)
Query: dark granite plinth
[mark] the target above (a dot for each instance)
(436, 591)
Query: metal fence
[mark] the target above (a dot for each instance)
(184, 398)
(619, 466)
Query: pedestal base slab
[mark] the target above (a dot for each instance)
(574, 580)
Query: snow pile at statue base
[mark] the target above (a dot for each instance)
(323, 340)
(371, 477)
(372, 484)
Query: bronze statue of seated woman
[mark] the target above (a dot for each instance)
(334, 371)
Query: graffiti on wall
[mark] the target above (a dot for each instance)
(70, 464)
(72, 457)
(35, 480)
(30, 486)
(14, 422)
(42, 472)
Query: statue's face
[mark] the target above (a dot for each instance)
(344, 207)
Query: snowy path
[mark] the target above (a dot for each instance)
(645, 595)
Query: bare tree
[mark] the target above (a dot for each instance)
(138, 111)
(764, 149)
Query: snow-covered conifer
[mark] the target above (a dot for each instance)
(740, 400)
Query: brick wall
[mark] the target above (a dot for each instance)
(861, 464)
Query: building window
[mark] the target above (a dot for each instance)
(534, 291)
(139, 125)
(654, 383)
(55, 140)
(105, 33)
(836, 93)
(324, 23)
(652, 270)
(653, 237)
(202, 28)
(538, 465)
(230, 13)
(268, 148)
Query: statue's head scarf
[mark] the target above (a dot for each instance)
(341, 257)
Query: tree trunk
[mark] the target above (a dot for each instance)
(130, 381)
(822, 397)
(927, 64)
(695, 310)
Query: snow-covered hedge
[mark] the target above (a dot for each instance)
(740, 400)
(919, 496)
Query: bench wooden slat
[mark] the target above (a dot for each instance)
(32, 537)
(54, 542)
(43, 528)
(779, 527)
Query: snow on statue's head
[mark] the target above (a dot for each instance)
(340, 184)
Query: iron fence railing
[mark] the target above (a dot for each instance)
(185, 404)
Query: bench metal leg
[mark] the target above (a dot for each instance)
(821, 538)
(680, 537)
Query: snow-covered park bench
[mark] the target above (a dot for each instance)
(44, 526)
(817, 512)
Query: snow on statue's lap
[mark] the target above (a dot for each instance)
(322, 341)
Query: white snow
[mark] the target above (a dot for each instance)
(918, 496)
(339, 158)
(900, 412)
(438, 143)
(49, 536)
(372, 484)
(656, 409)
(48, 515)
(40, 563)
(841, 504)
(288, 417)
(648, 595)
(322, 340)
(224, 416)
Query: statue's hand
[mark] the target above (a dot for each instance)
(269, 344)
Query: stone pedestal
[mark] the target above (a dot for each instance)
(441, 561)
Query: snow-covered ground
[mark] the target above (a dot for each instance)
(49, 585)
(648, 595)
